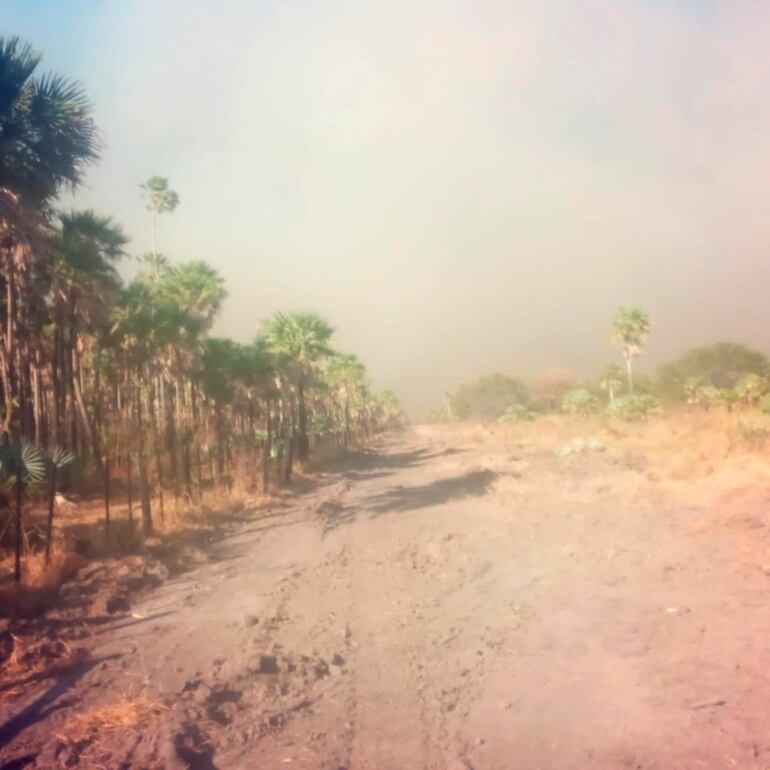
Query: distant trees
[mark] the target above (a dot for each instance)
(630, 328)
(720, 366)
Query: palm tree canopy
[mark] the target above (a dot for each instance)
(630, 328)
(222, 359)
(86, 248)
(47, 135)
(196, 286)
(298, 339)
(343, 368)
(612, 374)
(159, 196)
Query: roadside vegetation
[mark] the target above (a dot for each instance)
(722, 377)
(114, 387)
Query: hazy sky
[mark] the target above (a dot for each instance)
(461, 186)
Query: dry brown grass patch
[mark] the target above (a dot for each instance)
(62, 566)
(29, 658)
(129, 714)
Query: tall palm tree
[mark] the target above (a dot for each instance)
(160, 199)
(343, 372)
(630, 328)
(47, 138)
(84, 283)
(299, 340)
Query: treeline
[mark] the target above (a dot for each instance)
(113, 378)
(723, 375)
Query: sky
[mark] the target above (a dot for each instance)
(460, 186)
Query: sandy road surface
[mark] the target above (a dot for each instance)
(438, 604)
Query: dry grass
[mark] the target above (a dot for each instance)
(129, 714)
(32, 658)
(41, 582)
(92, 735)
(62, 566)
(693, 455)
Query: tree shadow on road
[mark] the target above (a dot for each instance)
(402, 499)
(363, 460)
(48, 701)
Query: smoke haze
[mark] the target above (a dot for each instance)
(460, 186)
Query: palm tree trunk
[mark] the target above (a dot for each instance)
(219, 431)
(267, 449)
(303, 447)
(130, 491)
(630, 376)
(55, 377)
(144, 485)
(107, 495)
(51, 504)
(289, 439)
(17, 545)
(158, 462)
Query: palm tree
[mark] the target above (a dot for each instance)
(220, 364)
(47, 135)
(630, 328)
(59, 458)
(47, 138)
(611, 379)
(343, 372)
(21, 464)
(299, 340)
(160, 199)
(84, 284)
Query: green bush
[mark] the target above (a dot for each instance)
(750, 388)
(764, 403)
(516, 413)
(754, 433)
(638, 406)
(579, 401)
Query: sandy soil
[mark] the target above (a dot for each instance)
(450, 599)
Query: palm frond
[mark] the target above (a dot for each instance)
(61, 458)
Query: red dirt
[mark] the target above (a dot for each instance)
(453, 599)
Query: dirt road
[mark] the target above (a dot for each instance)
(438, 603)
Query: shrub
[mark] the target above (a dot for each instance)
(638, 406)
(753, 433)
(487, 398)
(750, 388)
(579, 401)
(764, 403)
(720, 365)
(516, 413)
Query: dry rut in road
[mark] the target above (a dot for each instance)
(440, 602)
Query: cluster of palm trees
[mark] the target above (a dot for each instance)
(126, 377)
